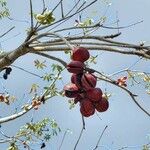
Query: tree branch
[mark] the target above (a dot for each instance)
(70, 16)
(10, 57)
(15, 116)
(83, 128)
(99, 48)
(107, 79)
(7, 32)
(50, 57)
(100, 138)
(31, 15)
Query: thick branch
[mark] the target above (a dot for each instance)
(15, 116)
(10, 57)
(100, 48)
(104, 39)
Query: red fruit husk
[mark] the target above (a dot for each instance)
(71, 90)
(87, 108)
(80, 54)
(79, 98)
(102, 105)
(75, 67)
(88, 81)
(94, 94)
(76, 79)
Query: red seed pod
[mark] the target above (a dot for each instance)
(71, 90)
(76, 79)
(102, 105)
(80, 54)
(87, 108)
(79, 98)
(88, 81)
(75, 67)
(2, 98)
(94, 94)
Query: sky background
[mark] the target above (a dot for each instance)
(127, 124)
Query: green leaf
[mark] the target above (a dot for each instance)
(39, 65)
(43, 130)
(67, 51)
(46, 18)
(71, 104)
(4, 11)
(13, 146)
(92, 59)
(146, 147)
(34, 88)
(56, 67)
(47, 137)
(53, 124)
(48, 77)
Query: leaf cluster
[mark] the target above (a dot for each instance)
(4, 12)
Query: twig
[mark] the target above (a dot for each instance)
(112, 35)
(83, 128)
(73, 8)
(61, 21)
(5, 140)
(7, 32)
(138, 146)
(62, 140)
(26, 71)
(62, 10)
(49, 34)
(126, 69)
(107, 79)
(79, 138)
(18, 20)
(56, 6)
(122, 27)
(100, 138)
(83, 122)
(44, 6)
(50, 57)
(81, 6)
(31, 15)
(68, 17)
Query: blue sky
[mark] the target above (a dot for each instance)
(127, 125)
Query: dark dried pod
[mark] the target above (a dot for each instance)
(101, 105)
(87, 108)
(71, 90)
(88, 81)
(94, 94)
(75, 67)
(80, 54)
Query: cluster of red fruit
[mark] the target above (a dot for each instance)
(83, 85)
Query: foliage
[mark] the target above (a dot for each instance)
(43, 130)
(146, 147)
(39, 65)
(142, 78)
(4, 12)
(45, 18)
